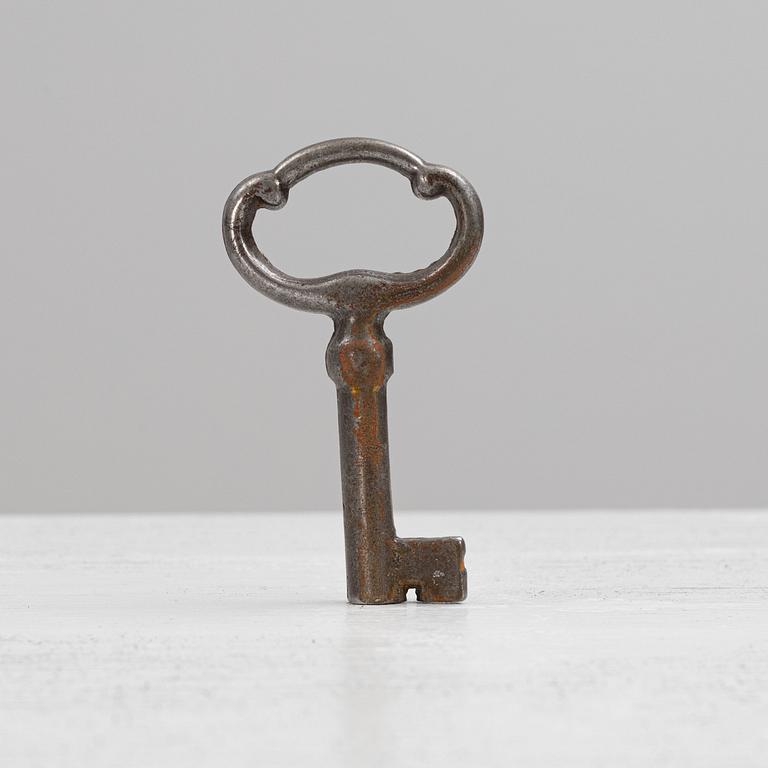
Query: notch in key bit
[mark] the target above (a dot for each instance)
(381, 567)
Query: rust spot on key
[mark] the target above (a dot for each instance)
(381, 566)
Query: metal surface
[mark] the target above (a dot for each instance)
(381, 567)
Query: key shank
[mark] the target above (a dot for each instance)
(381, 567)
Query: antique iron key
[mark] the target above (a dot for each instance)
(381, 567)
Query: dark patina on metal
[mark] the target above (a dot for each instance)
(381, 566)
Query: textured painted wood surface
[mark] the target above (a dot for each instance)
(589, 639)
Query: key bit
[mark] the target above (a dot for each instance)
(381, 567)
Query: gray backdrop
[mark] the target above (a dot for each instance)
(608, 348)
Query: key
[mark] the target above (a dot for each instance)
(381, 566)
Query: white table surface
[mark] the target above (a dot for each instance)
(588, 639)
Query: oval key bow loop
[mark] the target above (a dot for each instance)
(357, 290)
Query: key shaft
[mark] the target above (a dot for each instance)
(381, 567)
